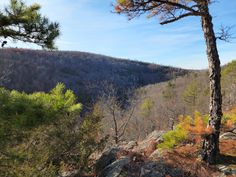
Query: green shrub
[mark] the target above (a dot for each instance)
(29, 110)
(173, 137)
(196, 127)
(146, 107)
(43, 133)
(186, 126)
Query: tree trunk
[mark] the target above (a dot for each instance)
(210, 148)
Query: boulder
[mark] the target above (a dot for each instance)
(130, 145)
(107, 158)
(228, 136)
(156, 154)
(148, 145)
(114, 169)
(73, 173)
(156, 135)
(154, 169)
(227, 170)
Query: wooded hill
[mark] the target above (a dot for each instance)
(159, 105)
(86, 74)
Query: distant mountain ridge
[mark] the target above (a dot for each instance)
(86, 73)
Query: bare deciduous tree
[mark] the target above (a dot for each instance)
(115, 114)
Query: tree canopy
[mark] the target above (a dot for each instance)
(25, 23)
(167, 10)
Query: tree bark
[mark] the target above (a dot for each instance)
(210, 148)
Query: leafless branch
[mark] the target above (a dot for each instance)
(124, 126)
(225, 33)
(173, 19)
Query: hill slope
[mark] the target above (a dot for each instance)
(162, 103)
(86, 73)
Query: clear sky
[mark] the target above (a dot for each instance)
(89, 25)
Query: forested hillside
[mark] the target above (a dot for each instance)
(159, 105)
(85, 73)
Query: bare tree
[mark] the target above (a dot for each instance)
(115, 114)
(170, 105)
(170, 11)
(225, 33)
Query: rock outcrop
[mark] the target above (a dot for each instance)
(107, 158)
(230, 135)
(134, 159)
(143, 159)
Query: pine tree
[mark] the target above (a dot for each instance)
(170, 11)
(24, 23)
(191, 94)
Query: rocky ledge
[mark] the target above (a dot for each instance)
(142, 159)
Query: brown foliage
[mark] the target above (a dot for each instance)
(150, 148)
(186, 158)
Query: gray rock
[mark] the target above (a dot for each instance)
(156, 154)
(106, 159)
(227, 170)
(114, 169)
(154, 169)
(228, 136)
(70, 173)
(130, 145)
(155, 137)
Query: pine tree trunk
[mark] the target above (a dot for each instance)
(210, 148)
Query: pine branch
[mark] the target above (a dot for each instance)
(177, 18)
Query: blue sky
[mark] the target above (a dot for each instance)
(89, 25)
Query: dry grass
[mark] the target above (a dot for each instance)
(187, 158)
(228, 147)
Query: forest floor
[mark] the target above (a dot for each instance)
(187, 158)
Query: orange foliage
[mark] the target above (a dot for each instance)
(229, 123)
(196, 127)
(229, 119)
(123, 5)
(118, 9)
